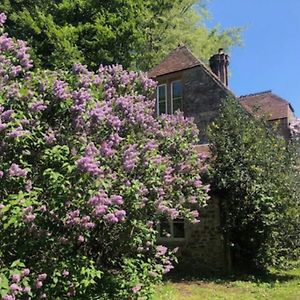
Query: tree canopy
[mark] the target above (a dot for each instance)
(255, 173)
(134, 33)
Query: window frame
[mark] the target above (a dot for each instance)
(157, 98)
(172, 99)
(171, 237)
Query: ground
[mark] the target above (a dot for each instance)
(284, 285)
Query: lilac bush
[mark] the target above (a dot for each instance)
(86, 172)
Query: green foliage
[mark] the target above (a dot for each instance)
(135, 33)
(254, 172)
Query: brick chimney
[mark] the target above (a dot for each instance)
(218, 64)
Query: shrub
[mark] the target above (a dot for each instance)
(86, 171)
(255, 173)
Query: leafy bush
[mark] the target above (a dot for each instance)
(255, 173)
(86, 170)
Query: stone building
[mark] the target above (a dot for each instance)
(186, 83)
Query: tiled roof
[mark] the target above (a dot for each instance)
(266, 104)
(180, 58)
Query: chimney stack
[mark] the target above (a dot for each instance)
(218, 64)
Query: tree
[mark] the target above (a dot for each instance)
(254, 171)
(86, 171)
(135, 33)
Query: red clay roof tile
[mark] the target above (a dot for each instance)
(180, 58)
(266, 104)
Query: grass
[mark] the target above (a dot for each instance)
(284, 285)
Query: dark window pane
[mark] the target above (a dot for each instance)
(176, 95)
(165, 229)
(177, 89)
(162, 107)
(178, 228)
(177, 104)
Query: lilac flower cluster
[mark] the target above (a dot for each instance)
(28, 216)
(73, 218)
(60, 90)
(38, 106)
(107, 206)
(80, 99)
(16, 171)
(130, 158)
(87, 163)
(17, 286)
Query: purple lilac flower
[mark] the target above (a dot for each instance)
(1, 174)
(50, 136)
(100, 210)
(114, 122)
(130, 157)
(79, 68)
(2, 126)
(15, 71)
(38, 284)
(117, 199)
(16, 171)
(81, 239)
(8, 297)
(15, 288)
(106, 149)
(80, 98)
(136, 288)
(111, 218)
(29, 218)
(65, 273)
(26, 289)
(120, 214)
(16, 278)
(38, 106)
(25, 272)
(42, 277)
(2, 18)
(17, 132)
(161, 250)
(86, 164)
(91, 150)
(100, 198)
(60, 90)
(6, 115)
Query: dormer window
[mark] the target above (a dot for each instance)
(176, 96)
(169, 97)
(161, 99)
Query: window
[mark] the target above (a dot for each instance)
(162, 99)
(171, 229)
(176, 96)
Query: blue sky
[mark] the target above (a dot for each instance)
(270, 56)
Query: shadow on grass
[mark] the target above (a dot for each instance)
(258, 277)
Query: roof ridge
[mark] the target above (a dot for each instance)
(256, 94)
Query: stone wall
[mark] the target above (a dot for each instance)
(202, 97)
(203, 249)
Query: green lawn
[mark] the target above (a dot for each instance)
(277, 286)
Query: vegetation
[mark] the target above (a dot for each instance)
(281, 285)
(255, 173)
(134, 33)
(85, 172)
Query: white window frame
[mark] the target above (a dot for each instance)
(171, 237)
(157, 98)
(172, 110)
